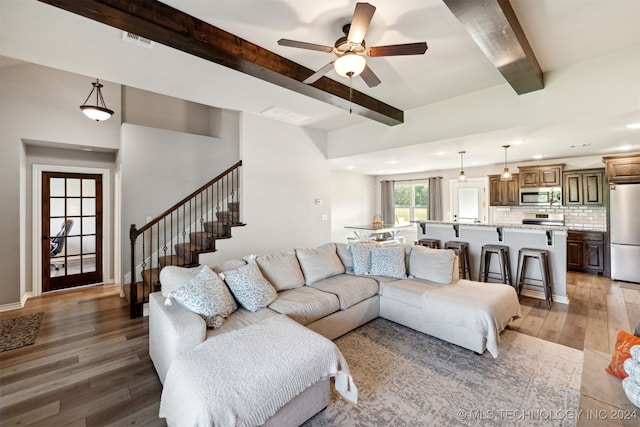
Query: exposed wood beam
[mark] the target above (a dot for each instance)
(171, 27)
(494, 27)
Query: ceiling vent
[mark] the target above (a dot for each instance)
(136, 39)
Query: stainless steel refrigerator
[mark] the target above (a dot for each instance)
(625, 232)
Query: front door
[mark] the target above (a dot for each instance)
(71, 230)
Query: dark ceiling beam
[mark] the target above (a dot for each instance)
(494, 27)
(171, 27)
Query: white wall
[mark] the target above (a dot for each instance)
(284, 171)
(353, 202)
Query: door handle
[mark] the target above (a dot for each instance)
(45, 237)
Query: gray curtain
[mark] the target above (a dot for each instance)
(435, 198)
(388, 205)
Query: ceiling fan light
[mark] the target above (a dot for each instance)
(350, 65)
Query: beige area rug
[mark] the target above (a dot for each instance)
(406, 378)
(20, 331)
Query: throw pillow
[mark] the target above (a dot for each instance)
(249, 286)
(632, 368)
(632, 390)
(388, 262)
(319, 263)
(281, 269)
(624, 342)
(206, 295)
(635, 352)
(345, 255)
(361, 255)
(173, 278)
(435, 265)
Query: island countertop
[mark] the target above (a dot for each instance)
(501, 225)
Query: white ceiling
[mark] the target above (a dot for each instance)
(561, 33)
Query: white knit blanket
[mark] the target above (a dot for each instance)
(483, 308)
(243, 377)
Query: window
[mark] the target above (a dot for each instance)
(411, 201)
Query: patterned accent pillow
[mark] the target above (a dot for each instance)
(632, 368)
(207, 295)
(624, 343)
(632, 390)
(388, 262)
(361, 255)
(249, 286)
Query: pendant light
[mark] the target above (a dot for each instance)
(506, 175)
(461, 176)
(99, 111)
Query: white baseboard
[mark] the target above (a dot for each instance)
(540, 295)
(17, 305)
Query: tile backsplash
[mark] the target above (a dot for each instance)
(593, 218)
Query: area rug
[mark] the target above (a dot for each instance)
(406, 378)
(20, 331)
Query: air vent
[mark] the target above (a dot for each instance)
(136, 39)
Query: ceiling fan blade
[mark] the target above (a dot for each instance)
(304, 45)
(321, 72)
(360, 22)
(369, 77)
(398, 49)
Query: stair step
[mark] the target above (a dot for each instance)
(218, 228)
(151, 278)
(204, 239)
(188, 250)
(142, 298)
(176, 260)
(228, 217)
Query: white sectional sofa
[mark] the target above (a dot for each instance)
(335, 288)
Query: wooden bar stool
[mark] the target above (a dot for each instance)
(542, 256)
(462, 250)
(430, 243)
(503, 258)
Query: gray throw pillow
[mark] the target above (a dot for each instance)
(319, 263)
(361, 255)
(207, 295)
(281, 269)
(249, 286)
(388, 262)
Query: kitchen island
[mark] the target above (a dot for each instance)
(515, 236)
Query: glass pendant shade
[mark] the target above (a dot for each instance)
(350, 65)
(506, 175)
(461, 177)
(99, 111)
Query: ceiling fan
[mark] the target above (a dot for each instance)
(351, 49)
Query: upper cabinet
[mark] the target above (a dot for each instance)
(623, 169)
(583, 187)
(503, 193)
(540, 176)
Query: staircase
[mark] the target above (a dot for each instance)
(180, 234)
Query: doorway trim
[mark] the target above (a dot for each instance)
(36, 216)
(483, 197)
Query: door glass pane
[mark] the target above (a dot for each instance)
(55, 225)
(56, 187)
(74, 230)
(73, 207)
(73, 187)
(88, 206)
(73, 245)
(88, 188)
(88, 244)
(56, 207)
(88, 225)
(88, 264)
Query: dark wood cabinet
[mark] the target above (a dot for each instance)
(540, 176)
(583, 187)
(623, 169)
(586, 251)
(503, 193)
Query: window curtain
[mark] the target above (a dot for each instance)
(388, 204)
(435, 198)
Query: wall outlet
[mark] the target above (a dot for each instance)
(325, 217)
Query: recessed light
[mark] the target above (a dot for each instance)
(440, 153)
(87, 149)
(538, 156)
(586, 144)
(518, 142)
(634, 125)
(625, 147)
(393, 162)
(351, 167)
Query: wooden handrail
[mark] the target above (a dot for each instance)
(134, 233)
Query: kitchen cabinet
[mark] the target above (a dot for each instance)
(623, 169)
(503, 193)
(583, 187)
(586, 251)
(540, 176)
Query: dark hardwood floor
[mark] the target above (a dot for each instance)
(90, 364)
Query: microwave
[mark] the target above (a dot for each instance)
(545, 196)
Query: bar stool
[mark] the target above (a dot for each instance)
(503, 258)
(430, 243)
(545, 273)
(462, 250)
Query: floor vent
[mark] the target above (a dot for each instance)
(136, 39)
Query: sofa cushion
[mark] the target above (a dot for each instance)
(319, 263)
(435, 265)
(173, 278)
(349, 289)
(388, 262)
(249, 286)
(281, 269)
(207, 295)
(408, 291)
(231, 264)
(344, 253)
(361, 255)
(305, 304)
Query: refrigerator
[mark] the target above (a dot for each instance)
(625, 232)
